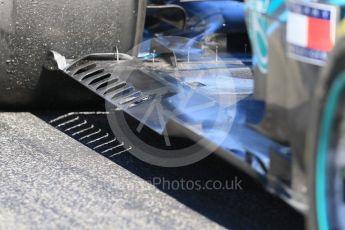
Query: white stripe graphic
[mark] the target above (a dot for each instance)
(297, 29)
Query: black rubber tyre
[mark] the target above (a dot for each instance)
(326, 153)
(29, 29)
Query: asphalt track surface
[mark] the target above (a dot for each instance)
(50, 180)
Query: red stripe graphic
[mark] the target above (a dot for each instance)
(319, 36)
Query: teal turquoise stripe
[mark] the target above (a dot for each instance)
(333, 99)
(274, 6)
(337, 2)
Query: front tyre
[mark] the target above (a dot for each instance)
(327, 176)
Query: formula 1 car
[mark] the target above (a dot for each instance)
(186, 84)
(299, 54)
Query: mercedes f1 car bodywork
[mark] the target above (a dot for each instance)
(278, 116)
(299, 54)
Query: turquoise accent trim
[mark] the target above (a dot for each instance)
(274, 6)
(337, 2)
(338, 87)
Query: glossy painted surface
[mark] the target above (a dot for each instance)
(285, 84)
